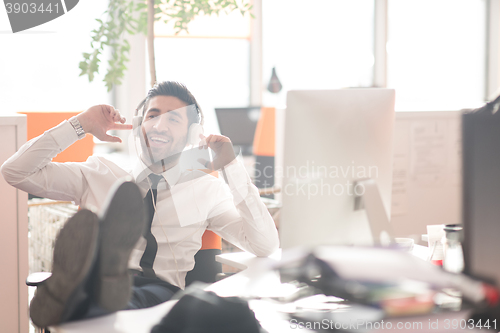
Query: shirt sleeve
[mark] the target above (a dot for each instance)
(241, 217)
(31, 168)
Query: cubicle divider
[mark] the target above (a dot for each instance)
(14, 235)
(39, 122)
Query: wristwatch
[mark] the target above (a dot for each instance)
(78, 127)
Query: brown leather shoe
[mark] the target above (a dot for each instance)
(122, 224)
(63, 294)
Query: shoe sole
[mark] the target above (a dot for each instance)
(75, 249)
(122, 224)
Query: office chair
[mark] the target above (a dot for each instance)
(206, 267)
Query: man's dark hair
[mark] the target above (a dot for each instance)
(175, 89)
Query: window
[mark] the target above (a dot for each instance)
(436, 53)
(39, 67)
(215, 70)
(317, 44)
(213, 60)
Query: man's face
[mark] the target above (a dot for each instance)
(164, 128)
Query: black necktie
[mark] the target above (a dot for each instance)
(148, 257)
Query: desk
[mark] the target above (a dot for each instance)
(141, 321)
(242, 260)
(256, 281)
(272, 315)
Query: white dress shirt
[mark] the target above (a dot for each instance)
(196, 201)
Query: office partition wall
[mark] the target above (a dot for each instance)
(14, 235)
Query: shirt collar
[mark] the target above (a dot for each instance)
(141, 171)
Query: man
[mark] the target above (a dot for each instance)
(184, 203)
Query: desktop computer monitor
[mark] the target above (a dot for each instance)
(239, 125)
(481, 191)
(334, 138)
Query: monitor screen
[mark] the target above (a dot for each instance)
(238, 124)
(332, 139)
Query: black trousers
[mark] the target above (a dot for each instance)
(146, 292)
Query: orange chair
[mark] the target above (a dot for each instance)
(206, 267)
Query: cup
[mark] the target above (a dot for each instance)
(405, 244)
(435, 236)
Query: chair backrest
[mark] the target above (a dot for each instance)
(205, 267)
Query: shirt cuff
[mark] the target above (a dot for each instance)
(236, 174)
(63, 134)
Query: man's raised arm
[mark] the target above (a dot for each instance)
(30, 169)
(240, 217)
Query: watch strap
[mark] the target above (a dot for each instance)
(78, 127)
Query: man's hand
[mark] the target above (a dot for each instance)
(99, 119)
(223, 149)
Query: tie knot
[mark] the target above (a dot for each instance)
(155, 179)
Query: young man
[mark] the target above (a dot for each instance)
(182, 203)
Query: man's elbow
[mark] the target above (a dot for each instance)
(270, 248)
(9, 174)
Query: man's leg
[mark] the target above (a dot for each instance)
(63, 295)
(148, 296)
(90, 261)
(142, 297)
(122, 223)
(149, 292)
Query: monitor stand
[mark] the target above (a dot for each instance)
(371, 201)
